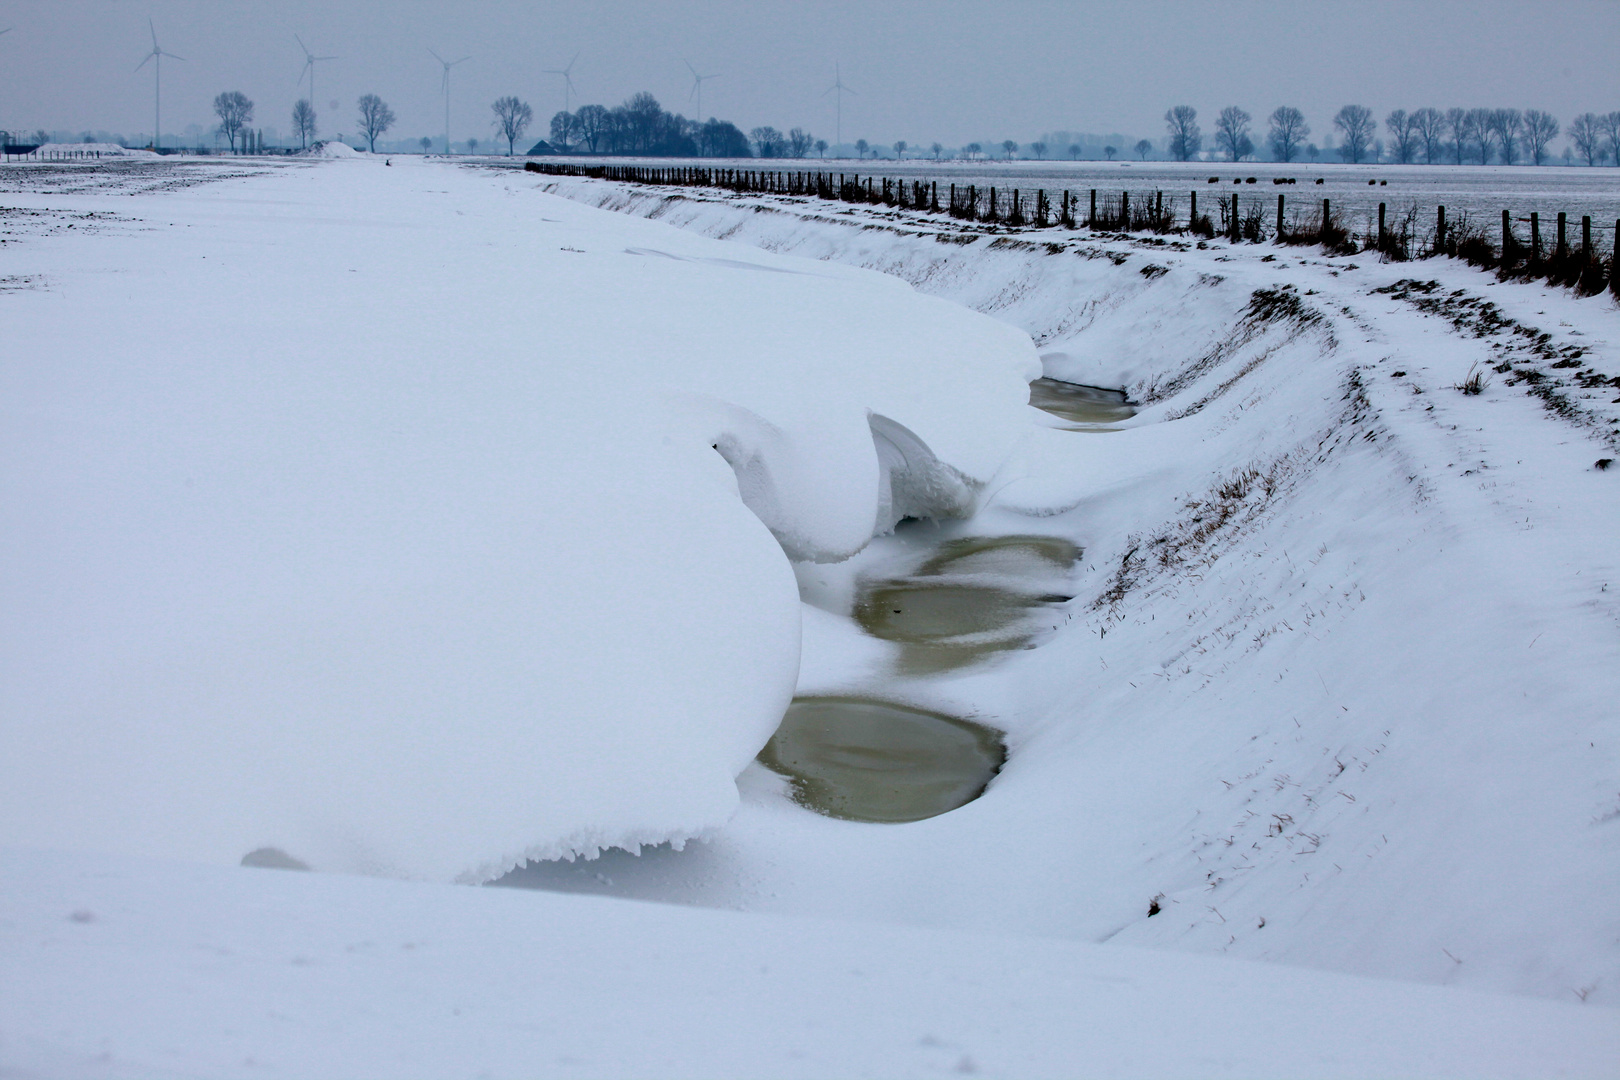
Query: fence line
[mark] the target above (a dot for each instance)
(1562, 261)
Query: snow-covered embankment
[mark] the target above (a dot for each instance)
(1338, 684)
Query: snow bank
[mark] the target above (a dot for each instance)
(448, 572)
(335, 148)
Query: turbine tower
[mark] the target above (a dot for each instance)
(568, 79)
(838, 85)
(156, 56)
(448, 64)
(309, 69)
(697, 87)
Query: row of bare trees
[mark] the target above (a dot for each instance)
(1459, 135)
(235, 112)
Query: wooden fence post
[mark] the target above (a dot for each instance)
(1507, 235)
(1236, 228)
(1535, 237)
(1381, 226)
(1091, 222)
(1192, 215)
(1614, 260)
(1586, 238)
(1279, 217)
(1562, 250)
(1125, 210)
(1440, 232)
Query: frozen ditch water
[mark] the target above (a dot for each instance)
(867, 760)
(1091, 408)
(974, 596)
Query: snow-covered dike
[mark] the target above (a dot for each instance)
(426, 561)
(488, 527)
(119, 969)
(1338, 685)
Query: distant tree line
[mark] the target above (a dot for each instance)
(1477, 136)
(642, 127)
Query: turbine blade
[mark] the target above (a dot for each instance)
(153, 29)
(572, 62)
(143, 62)
(690, 68)
(171, 56)
(464, 58)
(436, 56)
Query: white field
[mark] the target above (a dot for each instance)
(445, 573)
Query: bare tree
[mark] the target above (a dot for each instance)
(799, 142)
(1505, 125)
(425, 143)
(512, 118)
(1110, 151)
(472, 145)
(564, 130)
(1586, 132)
(1185, 136)
(821, 148)
(375, 118)
(937, 149)
(1356, 124)
(973, 148)
(1479, 127)
(593, 121)
(1288, 132)
(1143, 148)
(861, 147)
(1610, 123)
(303, 121)
(1040, 150)
(1540, 129)
(1458, 123)
(1074, 151)
(1430, 125)
(1403, 136)
(1009, 147)
(899, 149)
(234, 110)
(770, 143)
(1232, 131)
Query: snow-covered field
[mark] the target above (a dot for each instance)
(426, 565)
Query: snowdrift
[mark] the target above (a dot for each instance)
(447, 573)
(334, 148)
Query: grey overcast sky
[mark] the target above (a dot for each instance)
(924, 70)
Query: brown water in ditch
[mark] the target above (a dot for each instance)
(1090, 408)
(865, 760)
(973, 597)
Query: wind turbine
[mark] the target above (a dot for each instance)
(156, 56)
(568, 79)
(309, 68)
(448, 64)
(697, 87)
(838, 85)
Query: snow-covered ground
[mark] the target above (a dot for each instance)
(443, 571)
